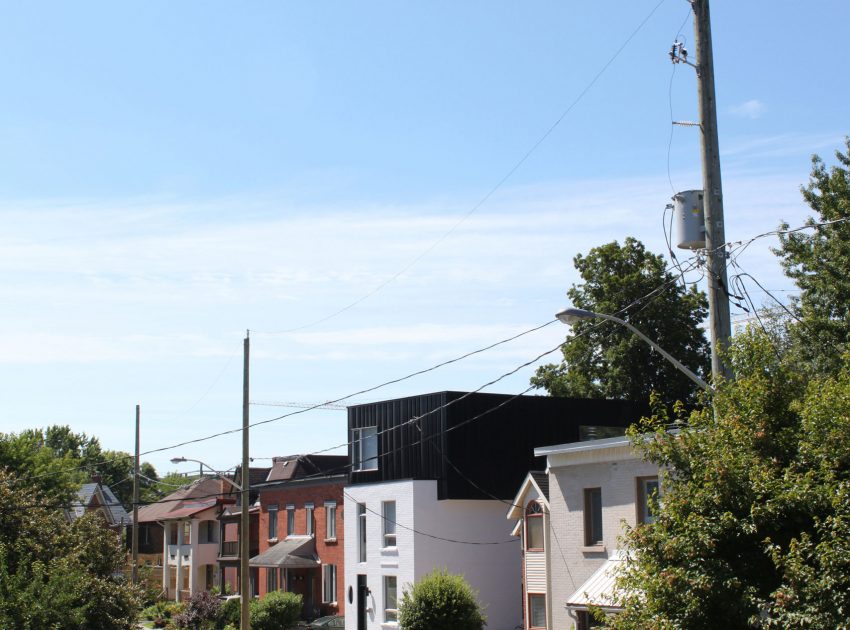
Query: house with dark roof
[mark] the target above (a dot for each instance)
(300, 530)
(99, 497)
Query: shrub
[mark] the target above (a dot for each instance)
(441, 601)
(276, 611)
(230, 612)
(201, 613)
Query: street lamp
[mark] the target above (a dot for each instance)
(245, 532)
(573, 315)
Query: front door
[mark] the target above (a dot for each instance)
(362, 601)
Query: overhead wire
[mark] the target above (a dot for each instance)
(517, 165)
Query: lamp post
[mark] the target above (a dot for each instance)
(245, 532)
(572, 315)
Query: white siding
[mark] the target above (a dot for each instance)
(535, 571)
(492, 570)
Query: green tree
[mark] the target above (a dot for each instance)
(441, 601)
(818, 261)
(56, 575)
(605, 360)
(754, 524)
(278, 610)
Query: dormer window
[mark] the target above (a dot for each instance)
(364, 449)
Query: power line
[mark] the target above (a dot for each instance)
(517, 165)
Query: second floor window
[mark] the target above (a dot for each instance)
(361, 532)
(592, 516)
(330, 520)
(648, 493)
(364, 448)
(290, 520)
(389, 523)
(534, 526)
(272, 522)
(308, 507)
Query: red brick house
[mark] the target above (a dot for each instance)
(301, 533)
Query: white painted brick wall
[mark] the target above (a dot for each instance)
(492, 570)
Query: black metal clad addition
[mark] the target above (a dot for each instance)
(477, 447)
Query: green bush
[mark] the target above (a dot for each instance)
(276, 611)
(441, 601)
(230, 613)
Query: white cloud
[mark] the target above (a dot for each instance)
(753, 108)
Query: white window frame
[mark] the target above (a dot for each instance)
(389, 520)
(361, 532)
(364, 440)
(273, 522)
(644, 496)
(290, 519)
(531, 609)
(390, 614)
(330, 520)
(328, 583)
(311, 521)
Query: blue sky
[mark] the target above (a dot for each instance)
(172, 174)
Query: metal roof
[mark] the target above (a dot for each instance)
(113, 510)
(293, 552)
(598, 590)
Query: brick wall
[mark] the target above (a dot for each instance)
(329, 551)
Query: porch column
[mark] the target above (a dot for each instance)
(179, 583)
(166, 565)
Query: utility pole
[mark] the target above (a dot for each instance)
(715, 234)
(135, 572)
(245, 521)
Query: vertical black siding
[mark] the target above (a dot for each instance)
(479, 459)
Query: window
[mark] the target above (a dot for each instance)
(187, 533)
(290, 520)
(390, 599)
(308, 507)
(592, 516)
(271, 580)
(648, 492)
(207, 532)
(272, 522)
(534, 526)
(330, 520)
(365, 448)
(328, 583)
(537, 611)
(388, 509)
(361, 532)
(586, 621)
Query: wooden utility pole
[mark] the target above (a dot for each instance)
(715, 234)
(135, 571)
(245, 521)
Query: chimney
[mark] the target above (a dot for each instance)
(96, 478)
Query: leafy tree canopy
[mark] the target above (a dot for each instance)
(754, 524)
(56, 575)
(605, 360)
(818, 261)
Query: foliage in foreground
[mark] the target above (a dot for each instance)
(55, 575)
(441, 601)
(276, 611)
(754, 527)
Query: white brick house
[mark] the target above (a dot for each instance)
(593, 489)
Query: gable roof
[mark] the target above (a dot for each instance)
(535, 480)
(291, 467)
(198, 496)
(99, 495)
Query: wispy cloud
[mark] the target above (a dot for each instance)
(753, 108)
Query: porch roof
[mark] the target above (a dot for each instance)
(598, 590)
(294, 552)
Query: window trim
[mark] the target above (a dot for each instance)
(530, 615)
(389, 524)
(642, 502)
(387, 610)
(290, 519)
(592, 517)
(273, 521)
(330, 520)
(361, 532)
(358, 462)
(534, 510)
(310, 519)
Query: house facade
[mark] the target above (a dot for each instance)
(301, 537)
(591, 489)
(98, 497)
(429, 478)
